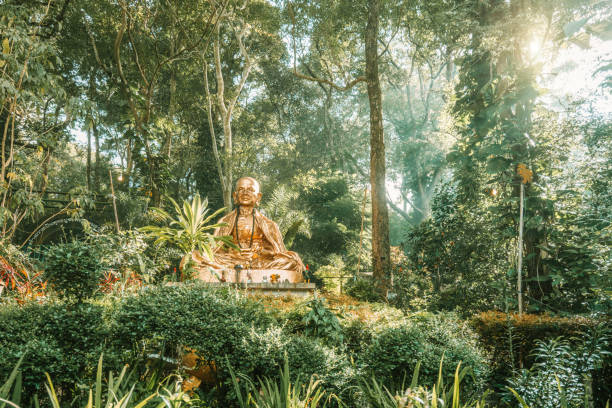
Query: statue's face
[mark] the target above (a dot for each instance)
(247, 193)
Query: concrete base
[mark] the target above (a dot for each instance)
(273, 289)
(273, 276)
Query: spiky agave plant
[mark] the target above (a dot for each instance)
(189, 229)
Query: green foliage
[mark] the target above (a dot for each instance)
(132, 260)
(35, 111)
(12, 383)
(451, 262)
(281, 207)
(225, 328)
(363, 289)
(74, 269)
(125, 391)
(282, 394)
(333, 275)
(321, 322)
(562, 371)
(335, 220)
(358, 336)
(395, 352)
(510, 339)
(190, 229)
(379, 396)
(64, 340)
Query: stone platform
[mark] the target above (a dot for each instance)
(274, 276)
(271, 289)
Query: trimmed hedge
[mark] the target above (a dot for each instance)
(497, 328)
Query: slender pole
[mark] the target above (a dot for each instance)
(365, 199)
(110, 176)
(520, 252)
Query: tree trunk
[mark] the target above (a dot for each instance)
(89, 127)
(94, 129)
(88, 158)
(381, 257)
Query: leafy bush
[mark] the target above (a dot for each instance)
(330, 277)
(64, 340)
(364, 290)
(322, 322)
(74, 270)
(413, 291)
(395, 351)
(126, 254)
(225, 328)
(358, 336)
(563, 369)
(510, 339)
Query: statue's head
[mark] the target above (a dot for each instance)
(247, 192)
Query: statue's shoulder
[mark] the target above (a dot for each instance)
(265, 219)
(229, 217)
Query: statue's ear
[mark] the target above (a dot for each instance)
(235, 197)
(258, 201)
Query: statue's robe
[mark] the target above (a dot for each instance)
(267, 245)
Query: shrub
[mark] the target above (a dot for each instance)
(395, 351)
(64, 340)
(321, 322)
(332, 275)
(562, 370)
(225, 328)
(412, 291)
(364, 290)
(128, 256)
(358, 336)
(74, 269)
(511, 338)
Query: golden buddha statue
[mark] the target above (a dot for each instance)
(261, 254)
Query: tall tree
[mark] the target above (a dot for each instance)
(225, 98)
(368, 26)
(381, 255)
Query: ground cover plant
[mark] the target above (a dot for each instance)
(237, 336)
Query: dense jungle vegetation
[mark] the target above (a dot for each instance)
(443, 167)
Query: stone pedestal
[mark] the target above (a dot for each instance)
(272, 289)
(249, 276)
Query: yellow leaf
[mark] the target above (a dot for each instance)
(525, 173)
(6, 46)
(2, 62)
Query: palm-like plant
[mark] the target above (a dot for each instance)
(189, 229)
